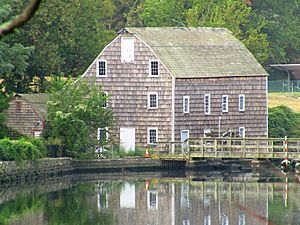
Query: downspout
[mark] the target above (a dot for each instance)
(173, 113)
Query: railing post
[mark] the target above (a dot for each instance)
(244, 147)
(202, 148)
(272, 148)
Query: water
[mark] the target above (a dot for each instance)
(148, 199)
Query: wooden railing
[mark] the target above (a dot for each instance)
(269, 148)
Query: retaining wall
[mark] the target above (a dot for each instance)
(11, 171)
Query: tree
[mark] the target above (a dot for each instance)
(159, 13)
(13, 59)
(282, 28)
(235, 15)
(75, 112)
(67, 36)
(283, 121)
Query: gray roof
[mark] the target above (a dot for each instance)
(199, 52)
(38, 101)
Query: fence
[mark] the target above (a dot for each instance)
(284, 86)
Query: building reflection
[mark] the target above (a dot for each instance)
(188, 202)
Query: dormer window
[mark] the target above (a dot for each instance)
(101, 68)
(154, 68)
(127, 50)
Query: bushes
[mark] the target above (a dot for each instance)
(283, 121)
(22, 149)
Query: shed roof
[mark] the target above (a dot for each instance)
(199, 52)
(38, 101)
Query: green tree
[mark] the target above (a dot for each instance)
(75, 112)
(283, 121)
(14, 58)
(159, 13)
(237, 17)
(67, 36)
(282, 28)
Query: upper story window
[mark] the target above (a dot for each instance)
(154, 68)
(153, 100)
(127, 49)
(207, 104)
(152, 135)
(225, 103)
(101, 68)
(242, 103)
(186, 104)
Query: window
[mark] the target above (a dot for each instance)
(207, 104)
(186, 104)
(241, 103)
(104, 105)
(242, 132)
(127, 50)
(152, 100)
(154, 68)
(225, 103)
(152, 199)
(102, 134)
(152, 135)
(101, 68)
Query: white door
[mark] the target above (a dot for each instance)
(184, 136)
(127, 138)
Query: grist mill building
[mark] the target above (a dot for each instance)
(168, 84)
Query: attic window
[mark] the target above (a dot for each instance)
(154, 68)
(127, 50)
(101, 68)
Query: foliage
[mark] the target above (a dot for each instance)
(19, 150)
(282, 28)
(237, 17)
(283, 122)
(75, 112)
(13, 57)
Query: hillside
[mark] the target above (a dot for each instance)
(291, 100)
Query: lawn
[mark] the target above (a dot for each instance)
(291, 100)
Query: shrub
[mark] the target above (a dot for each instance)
(283, 121)
(22, 149)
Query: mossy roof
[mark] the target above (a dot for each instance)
(199, 52)
(38, 101)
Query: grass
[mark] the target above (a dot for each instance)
(291, 100)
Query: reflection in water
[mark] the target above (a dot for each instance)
(166, 202)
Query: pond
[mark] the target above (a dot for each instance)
(156, 198)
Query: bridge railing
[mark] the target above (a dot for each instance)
(231, 148)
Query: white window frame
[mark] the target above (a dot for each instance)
(208, 111)
(97, 72)
(123, 52)
(152, 93)
(149, 203)
(99, 131)
(106, 104)
(150, 68)
(242, 103)
(148, 135)
(187, 108)
(225, 103)
(242, 132)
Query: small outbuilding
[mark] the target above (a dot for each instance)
(26, 113)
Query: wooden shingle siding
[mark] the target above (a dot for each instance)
(254, 119)
(22, 117)
(128, 85)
